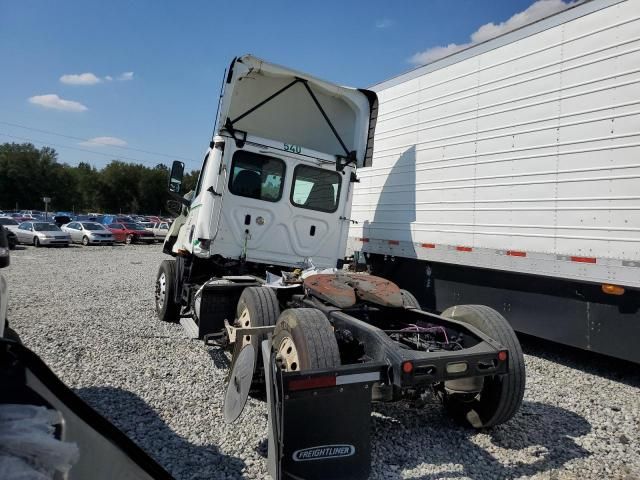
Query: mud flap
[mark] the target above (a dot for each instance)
(319, 422)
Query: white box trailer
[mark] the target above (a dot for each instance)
(508, 174)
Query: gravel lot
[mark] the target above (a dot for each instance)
(88, 312)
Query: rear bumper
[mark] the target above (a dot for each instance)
(426, 368)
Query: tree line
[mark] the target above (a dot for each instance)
(28, 173)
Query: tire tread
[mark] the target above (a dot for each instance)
(493, 324)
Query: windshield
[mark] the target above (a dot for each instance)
(133, 226)
(7, 221)
(93, 226)
(45, 227)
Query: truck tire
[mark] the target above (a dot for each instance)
(501, 396)
(408, 300)
(303, 340)
(257, 307)
(166, 309)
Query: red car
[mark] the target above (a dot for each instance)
(131, 233)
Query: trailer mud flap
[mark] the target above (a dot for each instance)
(319, 422)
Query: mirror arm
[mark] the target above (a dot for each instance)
(180, 198)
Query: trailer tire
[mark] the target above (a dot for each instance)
(166, 309)
(501, 396)
(408, 300)
(262, 310)
(311, 335)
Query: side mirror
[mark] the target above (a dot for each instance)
(174, 207)
(175, 179)
(4, 248)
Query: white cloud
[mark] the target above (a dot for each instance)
(80, 79)
(103, 142)
(536, 11)
(92, 79)
(52, 100)
(384, 23)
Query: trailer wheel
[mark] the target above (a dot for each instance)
(257, 307)
(166, 308)
(500, 397)
(408, 300)
(303, 339)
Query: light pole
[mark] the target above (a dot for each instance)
(46, 201)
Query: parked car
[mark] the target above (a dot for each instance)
(9, 223)
(109, 219)
(89, 217)
(159, 229)
(19, 217)
(60, 220)
(89, 233)
(42, 234)
(131, 233)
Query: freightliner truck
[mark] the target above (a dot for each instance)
(508, 174)
(258, 270)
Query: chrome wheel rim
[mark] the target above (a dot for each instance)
(244, 321)
(161, 291)
(287, 355)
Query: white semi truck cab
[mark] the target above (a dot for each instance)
(274, 197)
(276, 183)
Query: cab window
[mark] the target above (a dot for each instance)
(315, 189)
(256, 176)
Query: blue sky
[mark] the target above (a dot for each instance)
(157, 66)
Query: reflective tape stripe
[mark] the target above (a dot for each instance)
(428, 245)
(358, 378)
(515, 253)
(464, 249)
(583, 259)
(394, 242)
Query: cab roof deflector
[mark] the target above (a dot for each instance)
(350, 155)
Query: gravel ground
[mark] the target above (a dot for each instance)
(88, 312)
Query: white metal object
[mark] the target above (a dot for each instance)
(519, 154)
(291, 129)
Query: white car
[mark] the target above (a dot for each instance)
(42, 234)
(89, 233)
(9, 223)
(160, 229)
